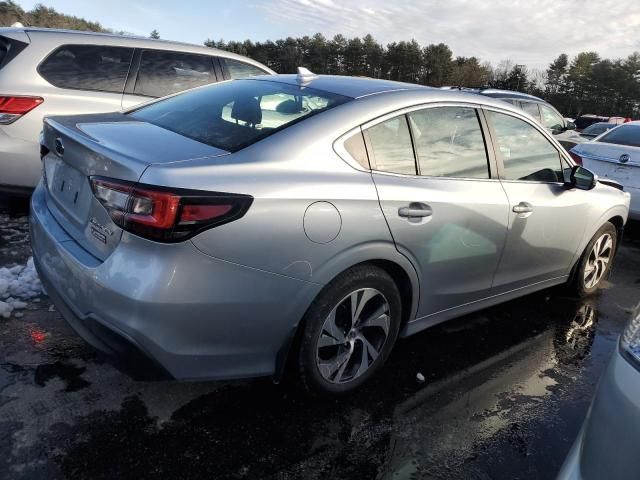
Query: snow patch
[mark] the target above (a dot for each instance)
(17, 284)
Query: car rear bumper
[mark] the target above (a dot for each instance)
(193, 316)
(19, 163)
(608, 442)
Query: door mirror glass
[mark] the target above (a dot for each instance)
(582, 178)
(570, 126)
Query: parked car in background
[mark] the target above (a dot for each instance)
(232, 229)
(589, 133)
(49, 72)
(539, 109)
(615, 155)
(585, 121)
(607, 445)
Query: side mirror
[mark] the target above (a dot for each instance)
(581, 178)
(570, 126)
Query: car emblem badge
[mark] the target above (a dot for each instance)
(59, 147)
(624, 158)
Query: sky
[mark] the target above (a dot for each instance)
(530, 32)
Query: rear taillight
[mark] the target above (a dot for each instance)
(576, 158)
(165, 214)
(12, 108)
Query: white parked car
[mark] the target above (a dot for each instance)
(615, 155)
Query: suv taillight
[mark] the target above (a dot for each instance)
(165, 214)
(12, 108)
(576, 158)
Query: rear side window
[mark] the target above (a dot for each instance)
(628, 135)
(163, 73)
(449, 142)
(239, 69)
(9, 49)
(531, 108)
(526, 153)
(232, 115)
(88, 67)
(391, 149)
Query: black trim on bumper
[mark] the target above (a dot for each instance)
(122, 352)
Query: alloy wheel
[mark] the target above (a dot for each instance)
(353, 335)
(598, 260)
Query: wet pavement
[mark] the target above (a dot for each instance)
(504, 394)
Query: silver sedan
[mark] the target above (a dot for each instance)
(306, 221)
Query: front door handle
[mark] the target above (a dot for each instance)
(523, 207)
(415, 210)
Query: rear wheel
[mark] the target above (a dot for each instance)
(596, 261)
(349, 331)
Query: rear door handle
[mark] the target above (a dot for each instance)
(415, 210)
(523, 207)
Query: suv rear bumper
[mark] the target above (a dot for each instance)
(194, 316)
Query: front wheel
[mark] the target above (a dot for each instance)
(596, 261)
(349, 331)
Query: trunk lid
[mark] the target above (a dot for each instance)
(620, 163)
(107, 145)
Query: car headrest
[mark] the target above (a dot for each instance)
(247, 110)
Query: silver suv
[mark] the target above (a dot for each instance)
(50, 72)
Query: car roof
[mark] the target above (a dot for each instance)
(497, 93)
(71, 36)
(354, 87)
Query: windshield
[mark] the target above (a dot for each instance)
(628, 135)
(232, 115)
(597, 129)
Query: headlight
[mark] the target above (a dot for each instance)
(630, 340)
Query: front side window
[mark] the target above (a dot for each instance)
(628, 135)
(551, 119)
(391, 149)
(163, 73)
(239, 69)
(232, 115)
(88, 67)
(449, 142)
(526, 153)
(532, 109)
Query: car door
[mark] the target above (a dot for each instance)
(546, 219)
(446, 210)
(163, 72)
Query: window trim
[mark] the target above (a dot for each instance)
(562, 153)
(491, 158)
(130, 84)
(64, 45)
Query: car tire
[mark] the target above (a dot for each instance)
(595, 264)
(355, 319)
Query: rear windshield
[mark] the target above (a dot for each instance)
(628, 135)
(597, 128)
(232, 115)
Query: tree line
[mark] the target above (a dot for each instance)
(585, 83)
